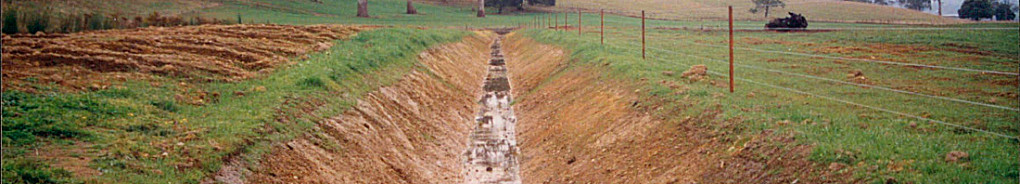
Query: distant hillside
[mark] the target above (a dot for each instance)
(818, 10)
(120, 7)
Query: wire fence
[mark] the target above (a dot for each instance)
(632, 41)
(846, 83)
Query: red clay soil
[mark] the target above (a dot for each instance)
(413, 131)
(574, 126)
(91, 60)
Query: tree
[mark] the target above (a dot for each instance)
(410, 8)
(766, 4)
(1004, 11)
(919, 5)
(976, 9)
(481, 8)
(500, 4)
(362, 8)
(542, 2)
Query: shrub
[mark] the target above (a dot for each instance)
(168, 106)
(98, 22)
(312, 82)
(37, 22)
(70, 24)
(140, 22)
(153, 19)
(1004, 11)
(10, 22)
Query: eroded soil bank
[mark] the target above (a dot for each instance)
(572, 124)
(577, 125)
(414, 131)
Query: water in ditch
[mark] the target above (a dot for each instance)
(492, 153)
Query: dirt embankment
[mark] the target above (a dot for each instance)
(574, 125)
(413, 131)
(578, 127)
(91, 60)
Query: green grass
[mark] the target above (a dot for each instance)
(130, 129)
(875, 144)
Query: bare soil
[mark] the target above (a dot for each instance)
(413, 131)
(93, 60)
(575, 126)
(572, 126)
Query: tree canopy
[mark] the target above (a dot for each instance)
(542, 2)
(1005, 11)
(500, 4)
(976, 9)
(760, 5)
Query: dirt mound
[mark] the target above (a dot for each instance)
(81, 61)
(878, 49)
(696, 73)
(857, 76)
(413, 131)
(956, 156)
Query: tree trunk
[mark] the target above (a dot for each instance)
(481, 8)
(410, 8)
(940, 8)
(766, 11)
(362, 8)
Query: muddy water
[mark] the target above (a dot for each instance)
(492, 150)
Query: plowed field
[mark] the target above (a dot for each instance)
(91, 60)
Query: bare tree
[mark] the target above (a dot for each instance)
(766, 4)
(410, 8)
(481, 8)
(362, 8)
(940, 7)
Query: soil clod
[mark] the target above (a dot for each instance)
(957, 156)
(696, 73)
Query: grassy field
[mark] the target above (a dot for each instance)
(123, 132)
(122, 7)
(876, 144)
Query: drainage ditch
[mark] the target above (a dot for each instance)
(492, 150)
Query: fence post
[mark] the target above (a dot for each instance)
(566, 21)
(602, 26)
(578, 22)
(643, 35)
(731, 49)
(556, 22)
